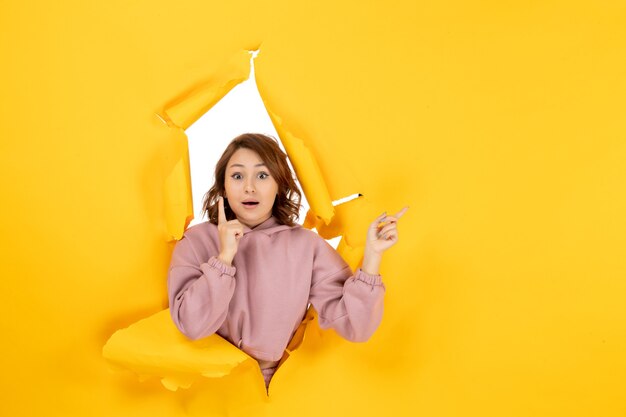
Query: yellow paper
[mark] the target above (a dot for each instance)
(155, 347)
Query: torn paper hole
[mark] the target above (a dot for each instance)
(241, 110)
(153, 347)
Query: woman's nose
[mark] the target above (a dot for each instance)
(249, 187)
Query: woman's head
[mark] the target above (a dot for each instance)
(260, 173)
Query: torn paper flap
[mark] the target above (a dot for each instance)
(154, 347)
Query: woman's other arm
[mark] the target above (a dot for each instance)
(350, 303)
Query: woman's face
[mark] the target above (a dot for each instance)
(247, 179)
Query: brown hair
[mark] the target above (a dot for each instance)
(287, 204)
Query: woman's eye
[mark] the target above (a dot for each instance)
(264, 175)
(236, 176)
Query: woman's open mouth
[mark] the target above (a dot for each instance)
(250, 204)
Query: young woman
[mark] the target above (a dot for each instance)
(249, 273)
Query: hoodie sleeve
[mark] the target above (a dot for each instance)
(350, 303)
(199, 291)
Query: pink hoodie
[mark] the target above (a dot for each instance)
(259, 301)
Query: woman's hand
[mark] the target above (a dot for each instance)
(383, 233)
(230, 232)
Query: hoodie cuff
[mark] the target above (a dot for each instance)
(368, 278)
(221, 266)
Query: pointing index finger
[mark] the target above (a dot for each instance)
(221, 216)
(401, 212)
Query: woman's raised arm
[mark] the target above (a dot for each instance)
(199, 291)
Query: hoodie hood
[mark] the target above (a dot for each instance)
(268, 227)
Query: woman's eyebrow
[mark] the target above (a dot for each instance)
(239, 165)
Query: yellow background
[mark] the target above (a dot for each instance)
(500, 123)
